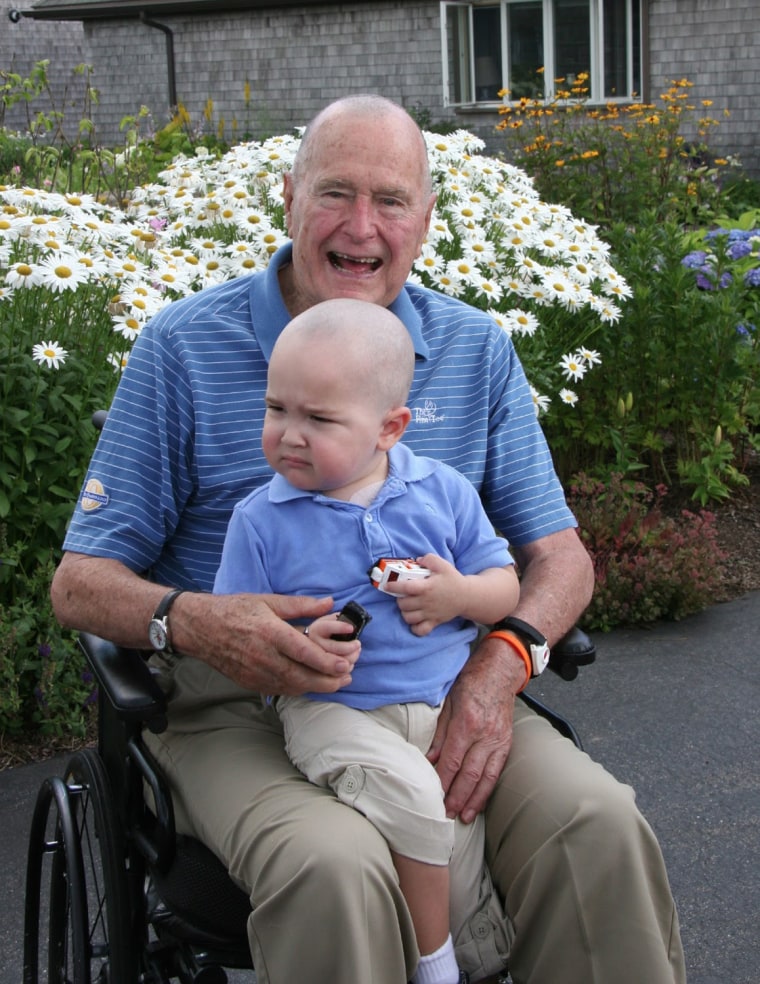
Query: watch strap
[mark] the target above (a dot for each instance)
(161, 614)
(535, 641)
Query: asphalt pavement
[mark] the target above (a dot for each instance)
(672, 710)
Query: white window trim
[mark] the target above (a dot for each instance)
(596, 69)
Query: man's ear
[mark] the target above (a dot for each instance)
(287, 195)
(392, 430)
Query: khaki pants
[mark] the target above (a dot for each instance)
(579, 870)
(375, 762)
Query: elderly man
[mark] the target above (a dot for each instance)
(579, 871)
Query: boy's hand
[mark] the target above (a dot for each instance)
(430, 601)
(323, 629)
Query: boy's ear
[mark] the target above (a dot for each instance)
(392, 430)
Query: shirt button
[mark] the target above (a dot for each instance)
(368, 517)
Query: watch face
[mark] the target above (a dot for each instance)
(157, 634)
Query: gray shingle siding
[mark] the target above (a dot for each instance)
(26, 42)
(296, 61)
(716, 45)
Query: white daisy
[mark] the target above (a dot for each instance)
(51, 353)
(128, 325)
(118, 361)
(573, 367)
(540, 402)
(23, 274)
(61, 271)
(568, 396)
(429, 260)
(590, 356)
(521, 322)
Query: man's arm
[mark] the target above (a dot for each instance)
(474, 733)
(245, 637)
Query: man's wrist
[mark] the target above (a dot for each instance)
(519, 650)
(181, 630)
(534, 641)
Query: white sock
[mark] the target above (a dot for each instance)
(439, 967)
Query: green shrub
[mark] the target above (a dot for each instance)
(45, 684)
(676, 398)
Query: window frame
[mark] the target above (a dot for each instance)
(466, 80)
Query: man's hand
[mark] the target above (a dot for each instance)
(247, 638)
(474, 733)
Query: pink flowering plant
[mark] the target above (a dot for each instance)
(650, 562)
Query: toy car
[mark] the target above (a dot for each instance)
(392, 570)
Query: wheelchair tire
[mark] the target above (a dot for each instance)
(88, 924)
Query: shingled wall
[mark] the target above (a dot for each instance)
(716, 45)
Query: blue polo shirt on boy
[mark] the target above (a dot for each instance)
(182, 443)
(288, 541)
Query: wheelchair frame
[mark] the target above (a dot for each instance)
(128, 901)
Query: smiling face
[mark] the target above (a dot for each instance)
(357, 205)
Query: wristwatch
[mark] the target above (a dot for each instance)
(158, 628)
(531, 638)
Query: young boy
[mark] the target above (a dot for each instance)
(346, 494)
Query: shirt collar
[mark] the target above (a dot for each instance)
(269, 314)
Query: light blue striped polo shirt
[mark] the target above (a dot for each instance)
(182, 443)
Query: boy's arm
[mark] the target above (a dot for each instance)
(485, 597)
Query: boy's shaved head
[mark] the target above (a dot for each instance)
(370, 342)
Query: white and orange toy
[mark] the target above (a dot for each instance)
(393, 570)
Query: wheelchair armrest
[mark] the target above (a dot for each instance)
(127, 681)
(572, 651)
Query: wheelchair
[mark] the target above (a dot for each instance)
(113, 894)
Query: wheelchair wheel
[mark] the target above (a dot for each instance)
(76, 836)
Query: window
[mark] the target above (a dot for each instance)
(524, 45)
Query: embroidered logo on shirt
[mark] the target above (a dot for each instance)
(426, 414)
(93, 495)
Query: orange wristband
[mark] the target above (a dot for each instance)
(519, 648)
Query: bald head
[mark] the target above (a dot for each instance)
(364, 108)
(369, 343)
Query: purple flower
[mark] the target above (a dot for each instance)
(706, 279)
(752, 277)
(695, 260)
(739, 249)
(44, 650)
